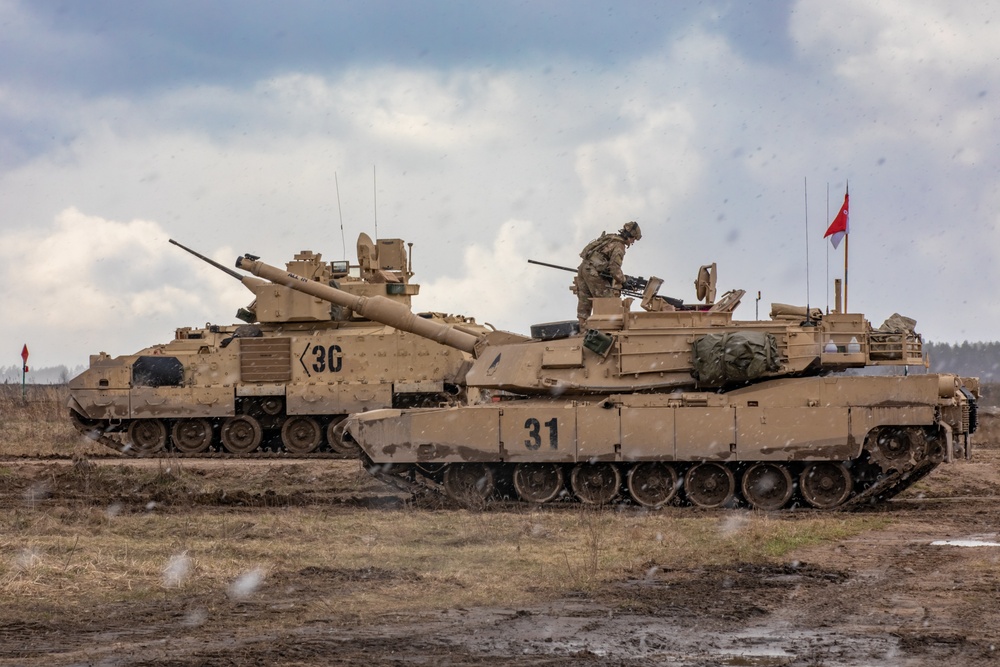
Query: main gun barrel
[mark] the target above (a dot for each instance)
(375, 308)
(249, 282)
(197, 254)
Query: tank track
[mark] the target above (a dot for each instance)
(125, 449)
(409, 479)
(402, 482)
(888, 486)
(96, 430)
(128, 451)
(423, 483)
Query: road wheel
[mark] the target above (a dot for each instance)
(767, 486)
(301, 435)
(192, 436)
(241, 434)
(148, 436)
(340, 441)
(596, 483)
(826, 484)
(538, 482)
(469, 484)
(652, 484)
(710, 485)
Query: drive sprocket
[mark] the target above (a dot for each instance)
(897, 448)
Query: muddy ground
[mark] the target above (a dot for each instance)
(888, 596)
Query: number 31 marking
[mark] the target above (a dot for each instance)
(534, 440)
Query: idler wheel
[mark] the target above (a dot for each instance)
(148, 436)
(192, 436)
(241, 434)
(652, 484)
(710, 485)
(767, 486)
(538, 482)
(469, 484)
(826, 484)
(896, 448)
(596, 483)
(301, 435)
(340, 442)
(90, 428)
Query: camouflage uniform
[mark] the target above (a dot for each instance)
(602, 255)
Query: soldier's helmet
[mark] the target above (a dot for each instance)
(631, 230)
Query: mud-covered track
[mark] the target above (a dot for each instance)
(766, 486)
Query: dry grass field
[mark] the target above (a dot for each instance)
(201, 562)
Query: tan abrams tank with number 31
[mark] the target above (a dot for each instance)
(673, 403)
(280, 384)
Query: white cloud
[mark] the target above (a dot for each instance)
(85, 284)
(495, 284)
(642, 172)
(920, 66)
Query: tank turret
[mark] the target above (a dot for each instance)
(651, 349)
(672, 404)
(281, 382)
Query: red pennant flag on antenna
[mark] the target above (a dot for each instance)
(840, 226)
(24, 353)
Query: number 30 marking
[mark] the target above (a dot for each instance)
(327, 359)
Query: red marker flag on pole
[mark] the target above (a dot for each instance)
(24, 368)
(840, 226)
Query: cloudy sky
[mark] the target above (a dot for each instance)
(487, 134)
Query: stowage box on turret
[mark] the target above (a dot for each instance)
(672, 403)
(282, 382)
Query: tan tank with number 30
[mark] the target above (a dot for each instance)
(671, 403)
(281, 383)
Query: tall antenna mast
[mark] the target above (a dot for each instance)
(343, 241)
(826, 284)
(805, 193)
(847, 234)
(375, 199)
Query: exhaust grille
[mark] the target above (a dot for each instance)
(265, 359)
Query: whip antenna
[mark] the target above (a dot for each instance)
(375, 199)
(343, 241)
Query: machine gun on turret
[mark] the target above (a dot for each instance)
(634, 286)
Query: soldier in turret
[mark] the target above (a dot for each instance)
(600, 272)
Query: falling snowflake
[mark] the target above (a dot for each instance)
(246, 584)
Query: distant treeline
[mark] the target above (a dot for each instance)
(50, 375)
(980, 360)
